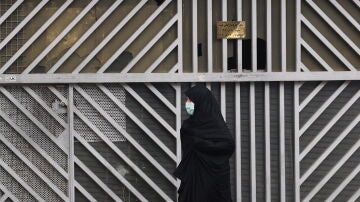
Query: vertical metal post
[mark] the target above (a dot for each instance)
(70, 105)
(224, 60)
(180, 35)
(194, 36)
(252, 142)
(238, 112)
(298, 35)
(209, 36)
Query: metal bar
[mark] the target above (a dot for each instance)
(138, 122)
(296, 143)
(333, 25)
(117, 151)
(109, 167)
(34, 145)
(252, 143)
(239, 42)
(313, 93)
(268, 37)
(84, 192)
(71, 168)
(3, 198)
(323, 107)
(357, 3)
(98, 181)
(298, 37)
(180, 34)
(41, 102)
(22, 23)
(331, 148)
(224, 61)
(67, 78)
(10, 195)
(333, 170)
(126, 135)
(344, 183)
(283, 36)
(84, 37)
(162, 57)
(267, 143)
(209, 8)
(132, 38)
(150, 44)
(161, 97)
(29, 164)
(305, 68)
(253, 36)
(65, 31)
(150, 109)
(356, 195)
(20, 181)
(282, 141)
(10, 10)
(106, 40)
(32, 118)
(316, 56)
(35, 35)
(346, 14)
(194, 23)
(330, 124)
(65, 100)
(238, 142)
(178, 123)
(174, 69)
(327, 43)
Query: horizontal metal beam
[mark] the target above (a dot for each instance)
(176, 77)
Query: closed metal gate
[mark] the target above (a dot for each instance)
(91, 97)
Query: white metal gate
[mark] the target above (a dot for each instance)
(91, 97)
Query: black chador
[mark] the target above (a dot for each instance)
(207, 145)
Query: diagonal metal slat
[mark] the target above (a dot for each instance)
(97, 180)
(35, 36)
(149, 109)
(10, 11)
(334, 27)
(23, 23)
(108, 37)
(333, 170)
(109, 167)
(60, 36)
(34, 168)
(323, 132)
(313, 93)
(149, 45)
(13, 174)
(84, 37)
(161, 97)
(327, 43)
(331, 148)
(10, 195)
(346, 14)
(148, 21)
(343, 184)
(138, 122)
(323, 107)
(316, 56)
(153, 66)
(126, 135)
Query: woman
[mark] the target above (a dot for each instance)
(207, 145)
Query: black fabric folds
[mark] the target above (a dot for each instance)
(207, 145)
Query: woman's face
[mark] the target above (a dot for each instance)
(188, 100)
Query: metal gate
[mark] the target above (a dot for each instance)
(91, 97)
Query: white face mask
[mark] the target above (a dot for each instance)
(190, 107)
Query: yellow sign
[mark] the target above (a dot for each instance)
(230, 29)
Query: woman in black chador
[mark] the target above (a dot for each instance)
(207, 145)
